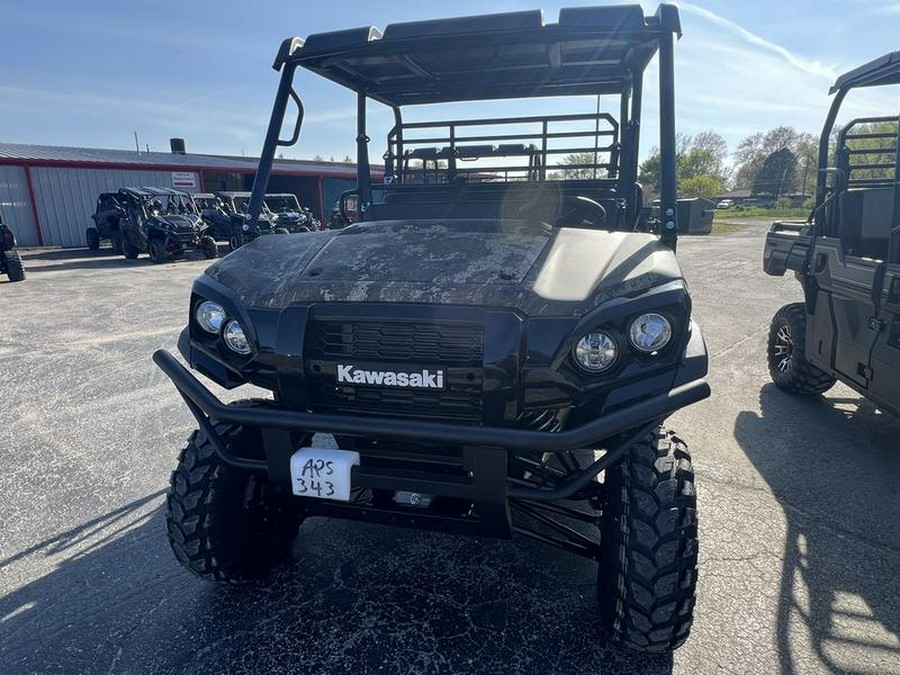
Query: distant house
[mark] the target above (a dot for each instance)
(737, 196)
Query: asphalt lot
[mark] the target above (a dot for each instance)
(799, 515)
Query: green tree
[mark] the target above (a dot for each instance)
(752, 153)
(699, 166)
(582, 173)
(777, 173)
(701, 186)
(650, 173)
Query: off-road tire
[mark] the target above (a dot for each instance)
(15, 270)
(209, 247)
(93, 238)
(115, 241)
(282, 230)
(786, 353)
(648, 568)
(129, 250)
(226, 524)
(157, 251)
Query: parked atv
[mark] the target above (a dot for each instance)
(222, 224)
(10, 261)
(484, 343)
(289, 214)
(244, 230)
(847, 258)
(163, 223)
(108, 216)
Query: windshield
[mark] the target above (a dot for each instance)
(282, 203)
(207, 203)
(241, 203)
(170, 205)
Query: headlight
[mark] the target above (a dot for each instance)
(210, 316)
(595, 352)
(235, 338)
(650, 332)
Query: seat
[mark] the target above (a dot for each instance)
(865, 221)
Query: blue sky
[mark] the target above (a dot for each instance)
(91, 73)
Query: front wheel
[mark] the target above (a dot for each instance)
(209, 247)
(15, 270)
(788, 366)
(129, 250)
(648, 567)
(226, 524)
(115, 240)
(93, 238)
(157, 251)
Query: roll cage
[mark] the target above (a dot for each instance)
(865, 178)
(181, 202)
(597, 51)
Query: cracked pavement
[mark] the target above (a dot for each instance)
(799, 516)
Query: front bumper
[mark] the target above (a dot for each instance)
(480, 477)
(588, 435)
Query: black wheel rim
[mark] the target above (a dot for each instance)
(264, 508)
(784, 348)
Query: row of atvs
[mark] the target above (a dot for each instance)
(167, 223)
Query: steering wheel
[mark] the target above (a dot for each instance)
(580, 212)
(576, 211)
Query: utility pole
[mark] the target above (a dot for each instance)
(805, 174)
(137, 146)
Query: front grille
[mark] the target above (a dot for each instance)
(456, 348)
(461, 404)
(436, 344)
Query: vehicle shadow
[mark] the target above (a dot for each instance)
(82, 258)
(70, 253)
(833, 464)
(354, 598)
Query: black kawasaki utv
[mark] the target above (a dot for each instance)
(10, 261)
(164, 223)
(222, 224)
(245, 229)
(847, 258)
(108, 216)
(289, 214)
(488, 339)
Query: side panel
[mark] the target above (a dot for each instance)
(15, 205)
(786, 249)
(885, 386)
(849, 283)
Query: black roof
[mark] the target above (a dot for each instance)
(154, 192)
(881, 71)
(590, 50)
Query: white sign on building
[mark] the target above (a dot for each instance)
(182, 180)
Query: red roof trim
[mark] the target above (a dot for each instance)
(74, 164)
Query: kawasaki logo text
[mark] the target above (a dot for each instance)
(422, 379)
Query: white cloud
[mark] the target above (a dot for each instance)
(797, 61)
